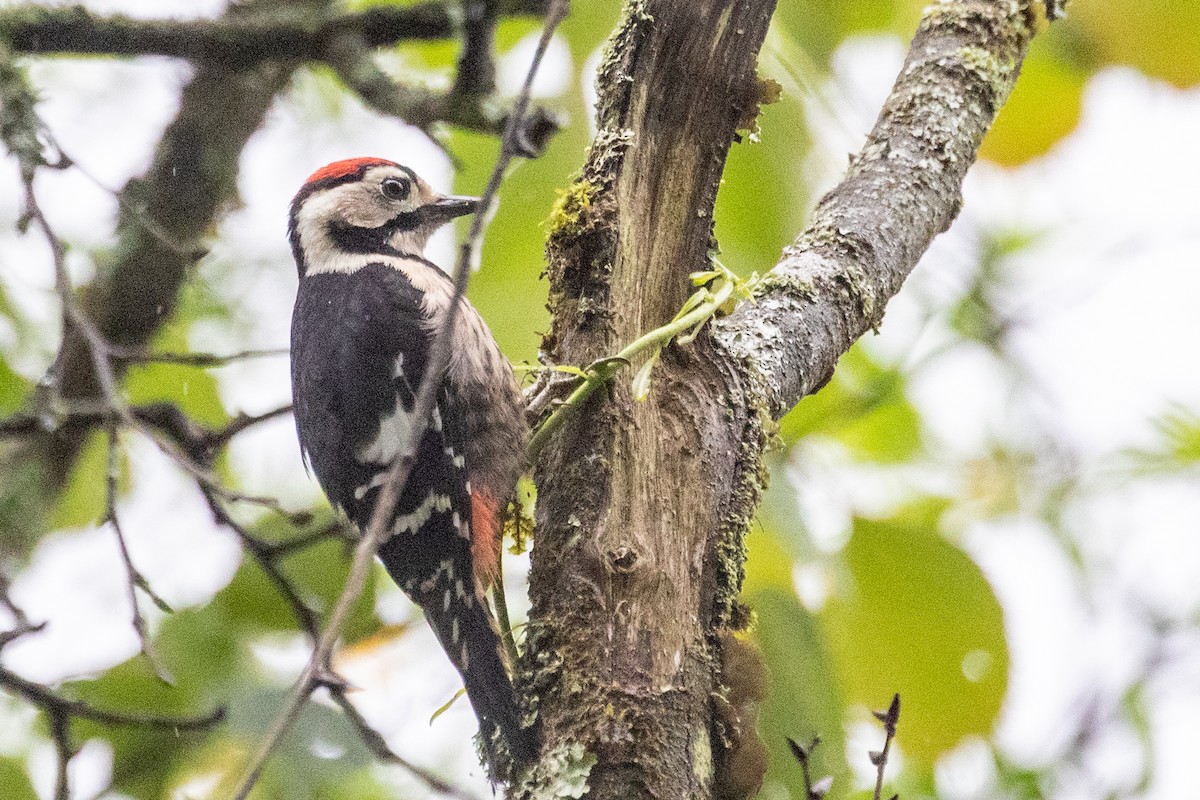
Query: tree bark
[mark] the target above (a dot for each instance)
(642, 506)
(630, 569)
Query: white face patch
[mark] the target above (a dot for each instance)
(369, 202)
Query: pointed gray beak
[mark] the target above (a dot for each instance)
(445, 209)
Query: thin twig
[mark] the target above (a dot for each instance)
(879, 758)
(187, 461)
(135, 210)
(202, 360)
(268, 561)
(134, 580)
(117, 409)
(602, 371)
(217, 439)
(21, 624)
(379, 747)
(318, 671)
(812, 790)
(336, 529)
(47, 700)
(200, 443)
(60, 733)
(73, 315)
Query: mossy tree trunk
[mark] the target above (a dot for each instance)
(642, 505)
(636, 538)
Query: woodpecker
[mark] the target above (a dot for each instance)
(368, 307)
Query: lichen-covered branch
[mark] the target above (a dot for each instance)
(902, 189)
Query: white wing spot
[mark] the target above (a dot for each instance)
(446, 600)
(454, 630)
(457, 460)
(414, 520)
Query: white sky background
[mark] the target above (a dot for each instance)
(1113, 288)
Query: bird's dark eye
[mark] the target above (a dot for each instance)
(394, 188)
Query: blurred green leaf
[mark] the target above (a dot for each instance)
(204, 657)
(804, 699)
(82, 500)
(193, 391)
(1159, 37)
(13, 389)
(763, 199)
(1043, 108)
(918, 617)
(863, 407)
(14, 780)
(1178, 429)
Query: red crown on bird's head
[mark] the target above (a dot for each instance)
(347, 167)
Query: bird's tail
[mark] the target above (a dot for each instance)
(467, 631)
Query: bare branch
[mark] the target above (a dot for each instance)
(134, 580)
(813, 790)
(215, 440)
(52, 703)
(477, 62)
(60, 733)
(201, 360)
(890, 719)
(237, 43)
(352, 60)
(338, 529)
(268, 560)
(21, 624)
(379, 747)
(60, 711)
